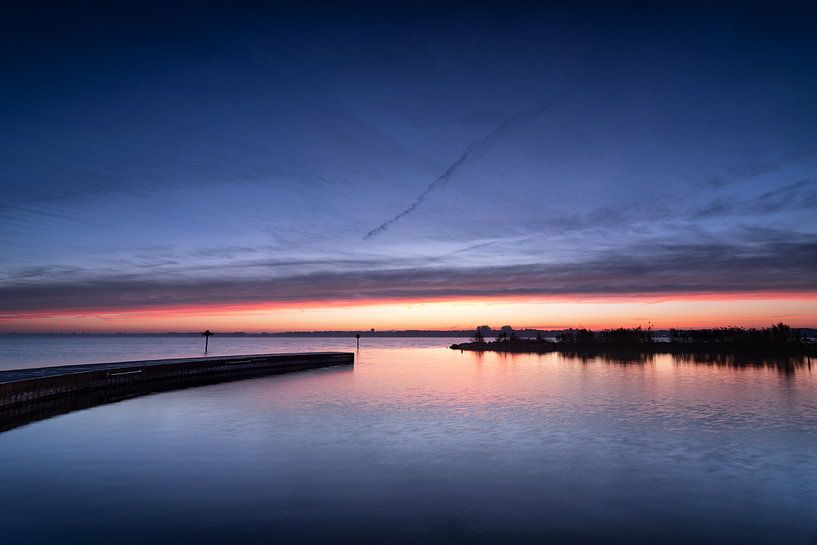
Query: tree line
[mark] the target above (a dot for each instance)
(778, 336)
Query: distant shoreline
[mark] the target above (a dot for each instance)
(536, 347)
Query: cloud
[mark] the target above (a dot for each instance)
(776, 266)
(753, 170)
(474, 149)
(798, 195)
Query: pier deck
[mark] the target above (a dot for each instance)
(54, 390)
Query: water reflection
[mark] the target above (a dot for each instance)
(784, 364)
(427, 445)
(618, 357)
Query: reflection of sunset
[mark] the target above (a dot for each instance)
(438, 383)
(691, 311)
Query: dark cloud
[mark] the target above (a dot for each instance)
(777, 266)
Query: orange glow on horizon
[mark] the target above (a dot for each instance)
(703, 310)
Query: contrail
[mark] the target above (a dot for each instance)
(474, 149)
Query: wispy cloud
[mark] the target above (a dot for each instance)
(754, 169)
(798, 195)
(474, 150)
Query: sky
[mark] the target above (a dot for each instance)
(177, 166)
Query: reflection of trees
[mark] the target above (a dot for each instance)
(617, 357)
(785, 359)
(783, 363)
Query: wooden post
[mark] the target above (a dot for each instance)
(357, 336)
(207, 339)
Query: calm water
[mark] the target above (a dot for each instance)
(419, 444)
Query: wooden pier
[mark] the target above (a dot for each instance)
(31, 394)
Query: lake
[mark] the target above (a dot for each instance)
(418, 444)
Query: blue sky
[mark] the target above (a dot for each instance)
(185, 153)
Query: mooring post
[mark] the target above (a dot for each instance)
(207, 339)
(357, 336)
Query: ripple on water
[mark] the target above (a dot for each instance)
(421, 444)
